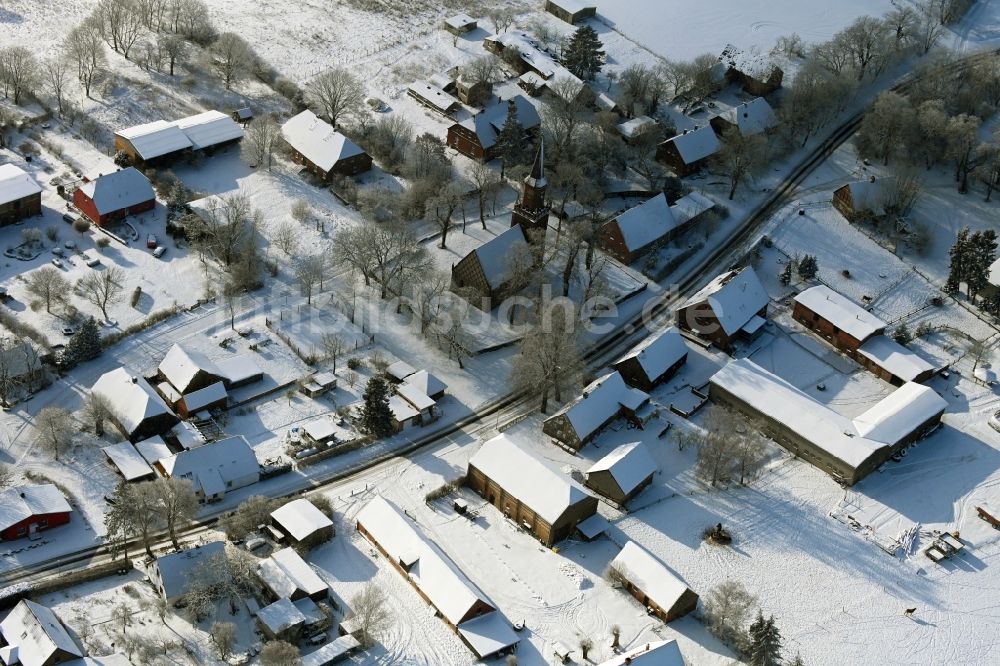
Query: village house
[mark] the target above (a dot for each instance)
(191, 382)
(33, 636)
(649, 580)
(459, 24)
(656, 653)
(187, 370)
(124, 457)
(287, 576)
(732, 306)
(571, 11)
(321, 149)
(623, 473)
(473, 91)
(847, 449)
(639, 229)
(476, 136)
(20, 195)
(653, 360)
(136, 408)
(748, 118)
(530, 212)
(173, 574)
(545, 502)
(114, 196)
(426, 383)
(604, 400)
(484, 276)
(302, 524)
(687, 152)
(281, 620)
(162, 141)
(436, 578)
(215, 468)
(433, 97)
(755, 72)
(27, 510)
(863, 199)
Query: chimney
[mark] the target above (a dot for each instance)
(135, 380)
(871, 179)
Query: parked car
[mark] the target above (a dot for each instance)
(158, 252)
(58, 251)
(70, 245)
(91, 260)
(151, 241)
(68, 330)
(995, 421)
(57, 263)
(69, 218)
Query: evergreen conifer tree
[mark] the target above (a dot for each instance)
(376, 417)
(510, 141)
(583, 56)
(765, 642)
(84, 345)
(808, 267)
(959, 254)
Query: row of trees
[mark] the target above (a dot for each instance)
(728, 609)
(971, 257)
(140, 510)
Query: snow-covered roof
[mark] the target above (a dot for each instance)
(401, 410)
(116, 659)
(690, 206)
(212, 467)
(650, 575)
(488, 122)
(119, 190)
(318, 141)
(188, 436)
(496, 254)
(413, 395)
(529, 50)
(696, 144)
(571, 6)
(635, 126)
(488, 634)
(153, 449)
(202, 398)
(210, 128)
(301, 518)
(132, 399)
(894, 357)
(20, 502)
(869, 194)
(128, 461)
(37, 634)
(629, 465)
(15, 183)
(656, 653)
(599, 402)
(320, 429)
(751, 117)
(460, 21)
(433, 95)
(181, 366)
(280, 616)
(285, 572)
(751, 61)
(425, 382)
(841, 311)
(244, 113)
(331, 652)
(430, 569)
(155, 139)
(994, 274)
(897, 415)
(240, 368)
(545, 490)
(735, 297)
(400, 370)
(175, 569)
(646, 223)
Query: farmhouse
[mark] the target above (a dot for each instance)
(731, 306)
(639, 229)
(214, 468)
(26, 510)
(654, 360)
(604, 400)
(540, 499)
(302, 523)
(524, 53)
(171, 573)
(459, 24)
(475, 137)
(623, 473)
(755, 72)
(137, 410)
(287, 576)
(115, 196)
(484, 275)
(847, 449)
(433, 97)
(187, 373)
(34, 636)
(571, 11)
(652, 583)
(20, 195)
(436, 578)
(321, 149)
(129, 463)
(657, 653)
(863, 198)
(687, 152)
(748, 118)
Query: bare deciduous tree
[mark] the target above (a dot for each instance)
(223, 635)
(84, 47)
(55, 430)
(334, 347)
(174, 50)
(56, 75)
(728, 606)
(19, 72)
(285, 237)
(48, 284)
(549, 357)
(176, 503)
(231, 58)
(279, 653)
(97, 411)
(260, 140)
(485, 181)
(103, 288)
(741, 156)
(502, 19)
(384, 253)
(337, 94)
(226, 228)
(371, 613)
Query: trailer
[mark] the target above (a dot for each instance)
(985, 515)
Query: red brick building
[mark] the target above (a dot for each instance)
(530, 211)
(115, 196)
(323, 150)
(476, 137)
(687, 152)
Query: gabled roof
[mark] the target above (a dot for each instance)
(994, 274)
(546, 491)
(301, 518)
(153, 449)
(286, 573)
(649, 575)
(318, 141)
(496, 254)
(433, 95)
(401, 410)
(634, 126)
(132, 399)
(15, 183)
(529, 51)
(175, 569)
(658, 352)
(735, 297)
(210, 128)
(425, 382)
(119, 190)
(628, 464)
(331, 652)
(600, 401)
(413, 395)
(280, 616)
(460, 21)
(400, 370)
(656, 653)
(240, 368)
(181, 365)
(128, 461)
(155, 139)
(212, 466)
(897, 415)
(751, 117)
(889, 355)
(841, 311)
(488, 122)
(20, 502)
(36, 633)
(202, 398)
(430, 569)
(697, 144)
(748, 61)
(571, 6)
(690, 206)
(646, 223)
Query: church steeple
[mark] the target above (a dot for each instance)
(531, 212)
(536, 178)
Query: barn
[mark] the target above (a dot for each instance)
(748, 118)
(115, 196)
(25, 510)
(323, 150)
(483, 276)
(475, 137)
(545, 502)
(433, 97)
(639, 229)
(623, 473)
(600, 403)
(162, 141)
(137, 409)
(732, 306)
(863, 198)
(654, 360)
(571, 11)
(687, 152)
(652, 583)
(20, 195)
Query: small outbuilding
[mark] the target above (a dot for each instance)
(754, 71)
(433, 97)
(115, 196)
(302, 523)
(623, 473)
(654, 585)
(655, 653)
(20, 195)
(323, 150)
(128, 462)
(687, 152)
(459, 24)
(281, 620)
(334, 651)
(571, 11)
(27, 510)
(863, 198)
(287, 576)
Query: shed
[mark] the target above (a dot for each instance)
(690, 207)
(633, 127)
(211, 397)
(399, 371)
(652, 583)
(153, 449)
(404, 414)
(115, 196)
(427, 384)
(239, 370)
(332, 652)
(188, 370)
(623, 473)
(571, 11)
(433, 97)
(20, 195)
(128, 461)
(893, 362)
(863, 198)
(302, 523)
(150, 142)
(653, 360)
(211, 129)
(281, 620)
(748, 118)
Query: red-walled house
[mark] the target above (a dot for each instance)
(25, 510)
(115, 196)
